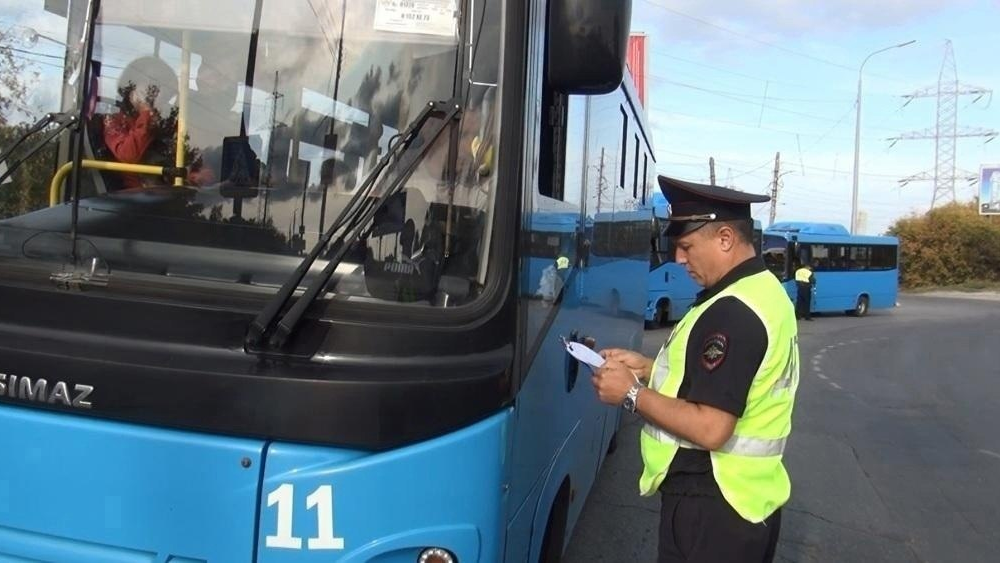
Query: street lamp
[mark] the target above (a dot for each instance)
(857, 136)
(30, 37)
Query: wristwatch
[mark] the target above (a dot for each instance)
(630, 398)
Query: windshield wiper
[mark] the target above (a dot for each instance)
(351, 223)
(64, 120)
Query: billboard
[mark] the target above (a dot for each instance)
(989, 190)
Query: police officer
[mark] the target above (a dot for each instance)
(717, 400)
(805, 281)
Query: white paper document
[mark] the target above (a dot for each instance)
(428, 17)
(583, 353)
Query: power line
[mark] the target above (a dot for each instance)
(664, 53)
(698, 156)
(31, 60)
(738, 97)
(739, 94)
(746, 125)
(742, 173)
(33, 53)
(835, 125)
(751, 172)
(750, 168)
(759, 40)
(748, 37)
(322, 28)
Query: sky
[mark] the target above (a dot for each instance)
(741, 81)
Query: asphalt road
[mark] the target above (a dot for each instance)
(894, 453)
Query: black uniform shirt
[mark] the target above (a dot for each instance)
(724, 352)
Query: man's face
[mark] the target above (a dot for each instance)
(699, 252)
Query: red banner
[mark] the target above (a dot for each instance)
(637, 48)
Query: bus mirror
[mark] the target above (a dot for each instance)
(587, 42)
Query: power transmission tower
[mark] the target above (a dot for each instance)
(946, 132)
(711, 169)
(602, 182)
(774, 188)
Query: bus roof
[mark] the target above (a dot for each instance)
(641, 214)
(659, 202)
(823, 232)
(803, 228)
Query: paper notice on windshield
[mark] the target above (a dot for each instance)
(426, 17)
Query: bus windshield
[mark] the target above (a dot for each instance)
(775, 251)
(222, 138)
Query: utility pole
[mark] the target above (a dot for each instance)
(711, 169)
(268, 180)
(600, 182)
(331, 140)
(774, 188)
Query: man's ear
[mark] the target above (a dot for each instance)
(727, 237)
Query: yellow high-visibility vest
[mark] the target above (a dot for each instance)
(748, 468)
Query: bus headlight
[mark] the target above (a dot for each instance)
(436, 555)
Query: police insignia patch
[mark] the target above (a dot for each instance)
(713, 351)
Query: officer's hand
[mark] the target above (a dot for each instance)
(612, 382)
(641, 365)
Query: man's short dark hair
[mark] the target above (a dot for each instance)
(742, 227)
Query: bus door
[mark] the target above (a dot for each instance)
(559, 423)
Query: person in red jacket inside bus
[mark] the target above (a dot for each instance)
(146, 86)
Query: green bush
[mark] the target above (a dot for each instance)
(950, 245)
(28, 188)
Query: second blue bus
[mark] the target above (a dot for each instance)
(854, 274)
(671, 290)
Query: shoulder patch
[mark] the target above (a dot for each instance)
(713, 351)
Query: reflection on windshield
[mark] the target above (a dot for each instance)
(276, 128)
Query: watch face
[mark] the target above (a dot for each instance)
(629, 402)
(630, 397)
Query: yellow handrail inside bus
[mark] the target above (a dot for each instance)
(56, 187)
(182, 101)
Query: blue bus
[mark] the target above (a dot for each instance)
(621, 245)
(549, 244)
(671, 290)
(268, 281)
(853, 274)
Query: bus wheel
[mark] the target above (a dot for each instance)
(555, 528)
(861, 309)
(662, 312)
(660, 316)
